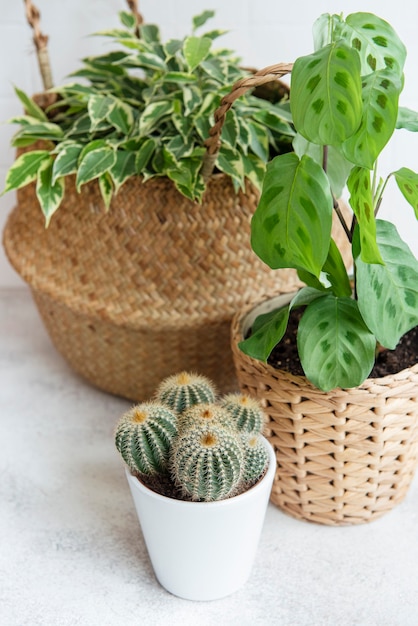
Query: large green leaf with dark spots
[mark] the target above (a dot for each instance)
(388, 294)
(376, 41)
(407, 181)
(335, 346)
(268, 332)
(380, 111)
(292, 224)
(326, 94)
(361, 201)
(269, 328)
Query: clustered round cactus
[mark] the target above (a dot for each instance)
(208, 449)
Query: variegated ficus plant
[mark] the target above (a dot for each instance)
(344, 102)
(145, 108)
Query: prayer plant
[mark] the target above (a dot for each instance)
(145, 108)
(344, 103)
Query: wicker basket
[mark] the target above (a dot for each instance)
(343, 457)
(145, 290)
(149, 288)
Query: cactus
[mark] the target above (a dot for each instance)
(256, 457)
(181, 391)
(204, 415)
(207, 463)
(187, 445)
(144, 435)
(247, 413)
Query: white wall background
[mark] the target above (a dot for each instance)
(261, 31)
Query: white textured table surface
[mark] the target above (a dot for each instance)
(71, 551)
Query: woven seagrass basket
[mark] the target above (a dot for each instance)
(343, 457)
(147, 289)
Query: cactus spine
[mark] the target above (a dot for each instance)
(207, 463)
(204, 415)
(248, 416)
(256, 457)
(144, 435)
(181, 391)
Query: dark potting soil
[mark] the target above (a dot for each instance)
(285, 356)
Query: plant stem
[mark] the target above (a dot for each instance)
(342, 220)
(325, 158)
(379, 194)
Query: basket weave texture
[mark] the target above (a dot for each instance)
(147, 289)
(343, 457)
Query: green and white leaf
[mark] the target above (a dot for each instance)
(191, 100)
(123, 168)
(274, 121)
(31, 108)
(49, 193)
(106, 189)
(326, 94)
(388, 294)
(144, 154)
(361, 201)
(179, 148)
(380, 111)
(150, 33)
(335, 346)
(25, 169)
(127, 19)
(152, 114)
(407, 181)
(216, 68)
(230, 162)
(195, 50)
(121, 116)
(172, 47)
(259, 140)
(230, 129)
(99, 108)
(291, 226)
(183, 181)
(202, 18)
(66, 161)
(42, 130)
(254, 170)
(147, 60)
(179, 78)
(94, 164)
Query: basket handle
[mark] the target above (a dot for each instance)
(213, 143)
(40, 40)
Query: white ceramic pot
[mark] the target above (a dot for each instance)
(203, 550)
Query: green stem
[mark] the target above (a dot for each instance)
(379, 195)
